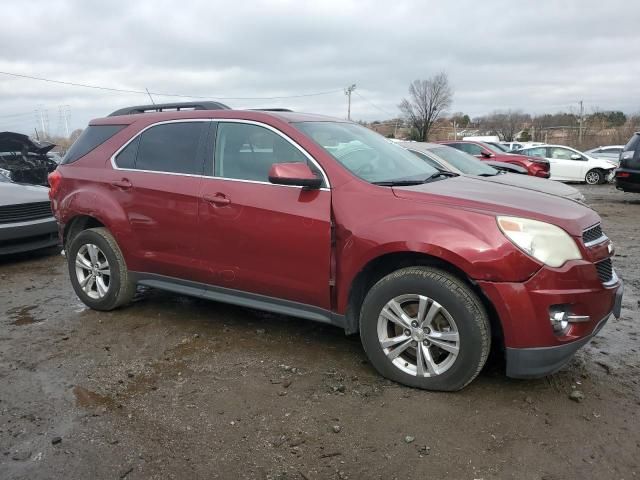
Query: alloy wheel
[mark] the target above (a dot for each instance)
(418, 335)
(592, 178)
(92, 271)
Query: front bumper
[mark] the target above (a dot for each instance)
(525, 308)
(26, 236)
(541, 361)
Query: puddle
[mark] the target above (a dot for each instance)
(87, 398)
(23, 316)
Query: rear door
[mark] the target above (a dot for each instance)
(257, 237)
(157, 180)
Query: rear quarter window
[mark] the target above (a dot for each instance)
(92, 137)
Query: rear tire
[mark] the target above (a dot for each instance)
(442, 330)
(98, 271)
(594, 177)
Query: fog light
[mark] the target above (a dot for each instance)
(559, 322)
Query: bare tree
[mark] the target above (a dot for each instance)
(506, 124)
(428, 99)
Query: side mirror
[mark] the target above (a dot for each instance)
(575, 156)
(486, 154)
(296, 173)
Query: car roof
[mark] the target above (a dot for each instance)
(421, 146)
(255, 115)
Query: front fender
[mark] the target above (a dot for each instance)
(470, 241)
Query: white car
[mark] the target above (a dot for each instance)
(571, 165)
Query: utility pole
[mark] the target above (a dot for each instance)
(580, 120)
(455, 130)
(348, 91)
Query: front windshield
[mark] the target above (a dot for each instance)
(464, 162)
(501, 148)
(365, 153)
(492, 148)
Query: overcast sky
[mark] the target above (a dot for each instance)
(541, 56)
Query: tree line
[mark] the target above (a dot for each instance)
(426, 105)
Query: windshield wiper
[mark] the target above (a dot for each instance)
(409, 182)
(440, 175)
(399, 183)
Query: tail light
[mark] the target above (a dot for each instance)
(54, 183)
(623, 174)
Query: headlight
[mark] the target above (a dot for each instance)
(547, 243)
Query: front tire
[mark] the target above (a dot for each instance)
(423, 327)
(594, 177)
(98, 271)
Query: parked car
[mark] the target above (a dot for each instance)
(24, 160)
(611, 152)
(511, 146)
(26, 220)
(627, 176)
(499, 146)
(571, 165)
(449, 159)
(536, 166)
(324, 219)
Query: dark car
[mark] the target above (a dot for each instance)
(26, 220)
(537, 167)
(627, 176)
(324, 219)
(24, 160)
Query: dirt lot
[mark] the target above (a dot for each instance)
(173, 387)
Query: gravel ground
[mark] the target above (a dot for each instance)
(173, 387)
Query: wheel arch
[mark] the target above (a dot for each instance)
(76, 225)
(383, 265)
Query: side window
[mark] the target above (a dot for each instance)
(536, 152)
(560, 153)
(471, 148)
(127, 157)
(170, 147)
(246, 152)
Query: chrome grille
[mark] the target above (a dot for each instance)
(592, 234)
(24, 212)
(605, 270)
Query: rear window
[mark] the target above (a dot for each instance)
(92, 137)
(633, 142)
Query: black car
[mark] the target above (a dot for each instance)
(24, 160)
(26, 221)
(627, 175)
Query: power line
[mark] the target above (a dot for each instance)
(373, 104)
(146, 92)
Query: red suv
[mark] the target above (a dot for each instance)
(538, 167)
(324, 219)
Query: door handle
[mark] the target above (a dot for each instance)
(124, 184)
(218, 199)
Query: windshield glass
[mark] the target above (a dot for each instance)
(490, 147)
(463, 161)
(365, 153)
(500, 148)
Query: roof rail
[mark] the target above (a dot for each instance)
(161, 107)
(270, 109)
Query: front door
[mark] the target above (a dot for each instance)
(563, 167)
(257, 237)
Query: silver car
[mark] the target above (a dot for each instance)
(611, 152)
(449, 159)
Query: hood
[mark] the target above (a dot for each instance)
(17, 142)
(537, 184)
(500, 199)
(14, 194)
